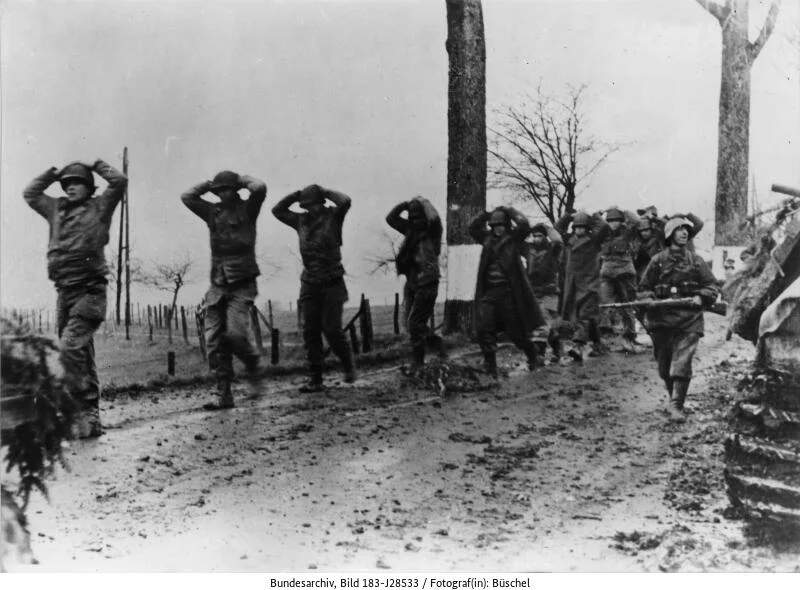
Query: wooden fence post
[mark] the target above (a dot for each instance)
(150, 322)
(299, 315)
(201, 335)
(170, 363)
(396, 316)
(269, 310)
(169, 324)
(275, 345)
(363, 324)
(184, 326)
(256, 321)
(351, 329)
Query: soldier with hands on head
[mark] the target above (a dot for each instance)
(418, 260)
(617, 272)
(229, 300)
(79, 226)
(543, 264)
(504, 299)
(322, 288)
(579, 304)
(677, 272)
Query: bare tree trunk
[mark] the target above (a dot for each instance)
(738, 55)
(466, 157)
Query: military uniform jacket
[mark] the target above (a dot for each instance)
(582, 259)
(232, 231)
(78, 230)
(507, 252)
(418, 257)
(677, 267)
(617, 248)
(543, 265)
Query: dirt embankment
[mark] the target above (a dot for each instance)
(567, 469)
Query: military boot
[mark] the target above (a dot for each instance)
(87, 420)
(224, 396)
(576, 352)
(490, 364)
(679, 389)
(555, 345)
(314, 383)
(417, 358)
(534, 359)
(253, 377)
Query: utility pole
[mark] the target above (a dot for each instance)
(126, 212)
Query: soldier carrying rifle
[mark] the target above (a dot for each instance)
(676, 330)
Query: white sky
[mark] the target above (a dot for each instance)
(353, 96)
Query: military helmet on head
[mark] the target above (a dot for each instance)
(225, 179)
(79, 172)
(498, 217)
(580, 219)
(674, 224)
(539, 228)
(614, 214)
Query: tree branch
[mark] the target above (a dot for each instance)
(718, 11)
(766, 31)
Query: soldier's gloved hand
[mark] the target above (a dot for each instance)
(697, 300)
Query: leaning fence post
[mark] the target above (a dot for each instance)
(351, 329)
(370, 330)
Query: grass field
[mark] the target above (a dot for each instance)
(122, 363)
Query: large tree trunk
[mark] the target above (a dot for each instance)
(738, 55)
(466, 157)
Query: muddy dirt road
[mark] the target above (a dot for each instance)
(560, 470)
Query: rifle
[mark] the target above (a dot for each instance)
(718, 307)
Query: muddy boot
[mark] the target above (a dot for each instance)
(417, 359)
(576, 352)
(490, 364)
(314, 383)
(669, 383)
(252, 378)
(598, 349)
(224, 397)
(629, 346)
(534, 359)
(555, 345)
(436, 344)
(679, 389)
(87, 420)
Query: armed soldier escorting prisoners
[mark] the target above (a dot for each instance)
(677, 272)
(76, 263)
(229, 299)
(322, 288)
(418, 260)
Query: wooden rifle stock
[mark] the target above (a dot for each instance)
(718, 307)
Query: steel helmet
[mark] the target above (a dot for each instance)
(225, 179)
(580, 219)
(614, 214)
(674, 224)
(79, 172)
(644, 224)
(498, 217)
(539, 228)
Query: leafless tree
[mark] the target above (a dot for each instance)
(738, 55)
(170, 276)
(541, 151)
(382, 259)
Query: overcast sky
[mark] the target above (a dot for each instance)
(353, 96)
